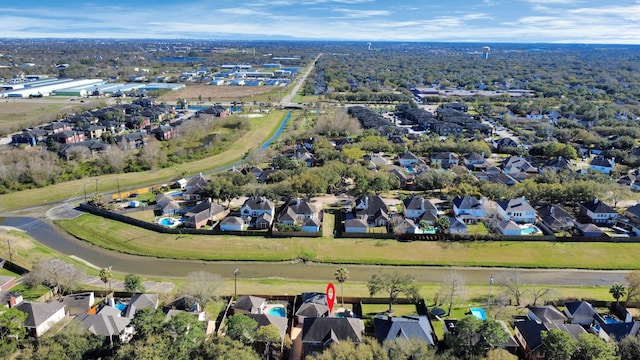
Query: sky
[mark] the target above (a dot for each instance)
(485, 21)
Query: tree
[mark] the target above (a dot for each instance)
(133, 284)
(633, 285)
(474, 336)
(203, 286)
(514, 286)
(186, 333)
(241, 328)
(443, 223)
(368, 349)
(224, 348)
(148, 322)
(591, 347)
(617, 290)
(342, 275)
(538, 293)
(105, 275)
(411, 348)
(452, 288)
(72, 342)
(558, 344)
(55, 273)
(629, 348)
(394, 284)
(148, 348)
(12, 330)
(268, 335)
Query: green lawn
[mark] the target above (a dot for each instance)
(525, 254)
(477, 229)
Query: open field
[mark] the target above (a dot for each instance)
(261, 129)
(223, 93)
(16, 114)
(130, 239)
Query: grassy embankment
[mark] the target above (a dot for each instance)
(261, 129)
(130, 239)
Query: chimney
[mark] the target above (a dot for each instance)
(422, 204)
(297, 201)
(552, 210)
(595, 201)
(522, 200)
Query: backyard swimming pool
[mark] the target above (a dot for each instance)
(169, 222)
(478, 313)
(277, 311)
(530, 229)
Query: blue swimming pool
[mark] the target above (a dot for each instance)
(277, 311)
(610, 320)
(120, 306)
(478, 313)
(530, 230)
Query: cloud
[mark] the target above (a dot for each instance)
(358, 14)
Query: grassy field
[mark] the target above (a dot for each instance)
(17, 114)
(261, 129)
(131, 239)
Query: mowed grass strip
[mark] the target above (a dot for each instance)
(131, 239)
(261, 129)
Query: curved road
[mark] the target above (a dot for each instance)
(64, 243)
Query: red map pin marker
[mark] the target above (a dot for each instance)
(331, 296)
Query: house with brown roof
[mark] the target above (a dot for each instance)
(204, 212)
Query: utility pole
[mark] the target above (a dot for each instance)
(235, 282)
(85, 192)
(490, 283)
(118, 181)
(96, 186)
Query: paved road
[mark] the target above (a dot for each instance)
(287, 99)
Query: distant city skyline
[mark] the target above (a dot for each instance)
(490, 21)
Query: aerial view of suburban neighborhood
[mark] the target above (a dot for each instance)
(320, 198)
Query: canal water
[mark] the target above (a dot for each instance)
(50, 236)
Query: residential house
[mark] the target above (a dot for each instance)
(516, 164)
(194, 187)
(93, 131)
(303, 156)
(475, 161)
(446, 160)
(406, 327)
(535, 115)
(556, 218)
(41, 316)
(10, 299)
(248, 304)
(356, 225)
(93, 146)
(546, 314)
(320, 333)
(371, 209)
(57, 127)
(311, 225)
(260, 209)
(407, 226)
(468, 208)
(107, 324)
(414, 207)
(311, 310)
(168, 205)
(30, 137)
(279, 322)
(589, 230)
(233, 223)
(598, 212)
(559, 164)
(602, 164)
(457, 226)
(582, 313)
(165, 132)
(505, 143)
(519, 210)
(80, 303)
(376, 161)
(528, 333)
(409, 160)
(509, 228)
(296, 211)
(633, 213)
(69, 137)
(141, 301)
(203, 213)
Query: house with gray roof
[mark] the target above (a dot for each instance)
(297, 211)
(602, 164)
(279, 322)
(446, 160)
(509, 228)
(405, 327)
(408, 159)
(468, 208)
(79, 303)
(519, 210)
(256, 207)
(598, 212)
(415, 206)
(320, 333)
(582, 312)
(141, 301)
(248, 304)
(41, 316)
(232, 223)
(203, 213)
(116, 328)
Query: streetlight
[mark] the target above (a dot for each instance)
(490, 283)
(235, 281)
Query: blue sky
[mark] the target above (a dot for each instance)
(555, 21)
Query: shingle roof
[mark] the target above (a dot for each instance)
(265, 320)
(101, 324)
(407, 327)
(518, 204)
(318, 329)
(598, 207)
(249, 303)
(312, 310)
(467, 202)
(258, 203)
(531, 332)
(38, 313)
